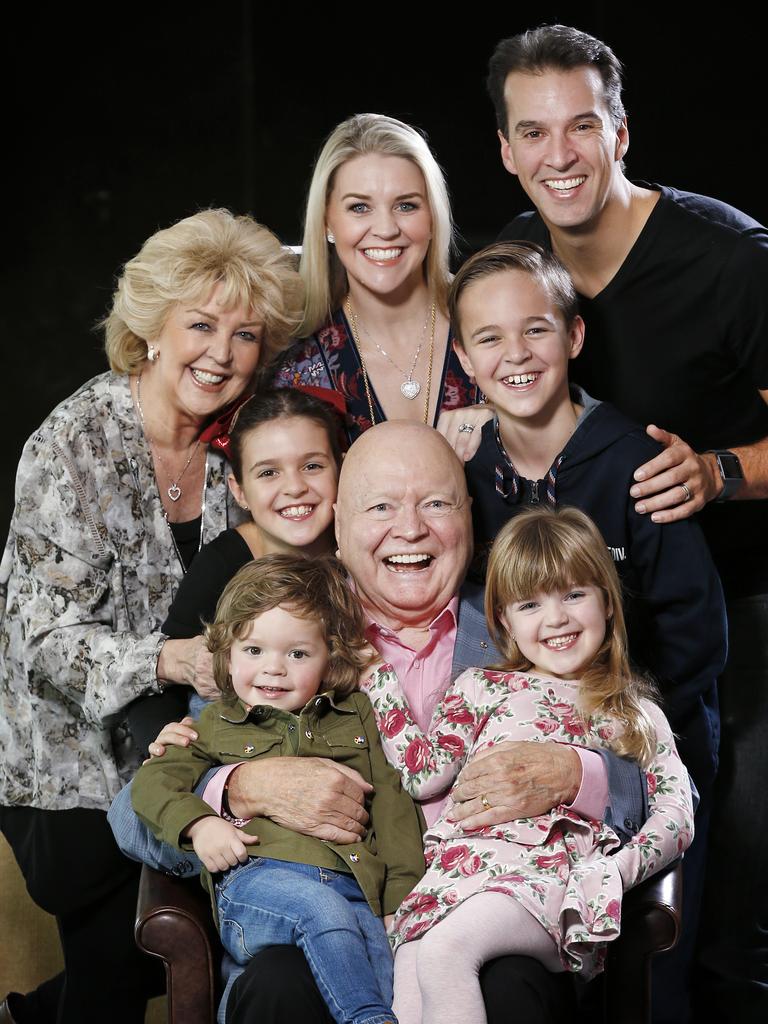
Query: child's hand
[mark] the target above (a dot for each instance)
(364, 682)
(388, 919)
(218, 843)
(174, 734)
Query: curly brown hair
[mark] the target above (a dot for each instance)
(312, 588)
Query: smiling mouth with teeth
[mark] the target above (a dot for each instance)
(556, 643)
(382, 255)
(521, 379)
(296, 511)
(565, 184)
(408, 563)
(205, 377)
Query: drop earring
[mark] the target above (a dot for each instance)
(153, 354)
(331, 237)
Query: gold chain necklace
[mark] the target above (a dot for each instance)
(352, 317)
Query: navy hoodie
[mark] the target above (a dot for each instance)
(672, 595)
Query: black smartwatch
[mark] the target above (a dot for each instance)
(730, 470)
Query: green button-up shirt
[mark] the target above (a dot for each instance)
(387, 863)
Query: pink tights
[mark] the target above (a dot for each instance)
(436, 976)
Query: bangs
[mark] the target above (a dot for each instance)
(538, 553)
(237, 288)
(541, 564)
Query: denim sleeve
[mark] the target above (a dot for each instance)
(627, 793)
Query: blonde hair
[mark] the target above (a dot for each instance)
(315, 588)
(542, 550)
(184, 263)
(364, 134)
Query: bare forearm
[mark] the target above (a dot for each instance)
(245, 792)
(754, 464)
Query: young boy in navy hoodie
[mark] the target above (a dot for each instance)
(515, 317)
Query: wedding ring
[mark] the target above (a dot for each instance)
(687, 493)
(466, 428)
(485, 802)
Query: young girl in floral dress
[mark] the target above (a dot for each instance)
(549, 887)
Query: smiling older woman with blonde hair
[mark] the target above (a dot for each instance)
(116, 492)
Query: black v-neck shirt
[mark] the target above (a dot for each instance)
(679, 338)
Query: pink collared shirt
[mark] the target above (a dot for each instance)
(424, 675)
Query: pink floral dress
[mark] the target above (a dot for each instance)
(568, 873)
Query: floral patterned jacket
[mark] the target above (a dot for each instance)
(329, 359)
(87, 577)
(483, 708)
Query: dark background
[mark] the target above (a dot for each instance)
(126, 119)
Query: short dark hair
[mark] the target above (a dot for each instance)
(544, 267)
(553, 47)
(315, 588)
(277, 404)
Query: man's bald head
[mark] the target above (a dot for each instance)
(403, 521)
(397, 443)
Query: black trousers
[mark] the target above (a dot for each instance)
(278, 988)
(74, 870)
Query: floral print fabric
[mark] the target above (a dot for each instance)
(329, 359)
(87, 577)
(568, 873)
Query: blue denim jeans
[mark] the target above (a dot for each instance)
(271, 903)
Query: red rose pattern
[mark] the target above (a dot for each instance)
(453, 744)
(392, 723)
(546, 725)
(417, 755)
(451, 858)
(479, 864)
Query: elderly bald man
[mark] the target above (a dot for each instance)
(404, 529)
(404, 532)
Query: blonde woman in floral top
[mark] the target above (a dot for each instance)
(548, 887)
(375, 264)
(115, 493)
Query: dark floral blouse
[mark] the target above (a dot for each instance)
(329, 359)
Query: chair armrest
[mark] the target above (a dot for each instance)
(174, 922)
(650, 924)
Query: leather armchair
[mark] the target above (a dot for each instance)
(174, 923)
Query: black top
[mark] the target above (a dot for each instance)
(186, 537)
(679, 338)
(201, 588)
(674, 603)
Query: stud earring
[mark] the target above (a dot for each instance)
(153, 353)
(331, 237)
(245, 508)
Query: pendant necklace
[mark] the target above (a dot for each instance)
(410, 388)
(174, 492)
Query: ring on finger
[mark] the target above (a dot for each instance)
(687, 493)
(485, 802)
(466, 428)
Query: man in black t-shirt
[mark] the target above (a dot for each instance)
(673, 289)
